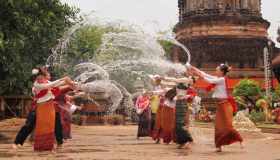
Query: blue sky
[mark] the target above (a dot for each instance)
(156, 15)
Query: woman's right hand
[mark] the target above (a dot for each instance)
(66, 78)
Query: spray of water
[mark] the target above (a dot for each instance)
(57, 52)
(105, 90)
(89, 72)
(121, 59)
(135, 54)
(171, 38)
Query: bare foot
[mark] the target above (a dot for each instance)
(219, 149)
(53, 151)
(189, 145)
(59, 146)
(242, 145)
(181, 146)
(14, 146)
(157, 141)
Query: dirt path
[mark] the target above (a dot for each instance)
(119, 143)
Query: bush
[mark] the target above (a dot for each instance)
(247, 88)
(257, 116)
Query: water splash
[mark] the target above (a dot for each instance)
(170, 37)
(102, 89)
(126, 106)
(89, 72)
(57, 53)
(130, 55)
(121, 59)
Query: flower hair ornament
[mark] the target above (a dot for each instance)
(229, 68)
(35, 71)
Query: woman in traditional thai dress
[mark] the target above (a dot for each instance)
(165, 124)
(225, 134)
(189, 95)
(183, 136)
(45, 111)
(29, 125)
(155, 102)
(59, 93)
(144, 112)
(157, 130)
(66, 115)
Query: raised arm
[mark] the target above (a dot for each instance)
(201, 73)
(48, 85)
(215, 80)
(207, 75)
(158, 92)
(177, 80)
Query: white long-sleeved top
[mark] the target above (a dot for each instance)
(73, 108)
(170, 104)
(37, 87)
(220, 90)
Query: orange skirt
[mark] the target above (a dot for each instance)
(165, 124)
(225, 134)
(44, 137)
(168, 124)
(156, 133)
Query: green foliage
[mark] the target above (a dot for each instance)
(28, 30)
(247, 88)
(167, 46)
(257, 116)
(85, 43)
(241, 103)
(261, 102)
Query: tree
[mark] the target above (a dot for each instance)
(167, 46)
(85, 42)
(247, 89)
(28, 30)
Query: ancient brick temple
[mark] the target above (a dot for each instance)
(218, 31)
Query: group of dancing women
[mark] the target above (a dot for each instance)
(50, 116)
(163, 112)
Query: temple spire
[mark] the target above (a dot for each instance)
(216, 31)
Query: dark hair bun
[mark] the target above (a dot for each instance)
(225, 68)
(170, 94)
(182, 86)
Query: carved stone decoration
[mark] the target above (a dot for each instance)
(278, 32)
(218, 31)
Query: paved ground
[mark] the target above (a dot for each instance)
(119, 143)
